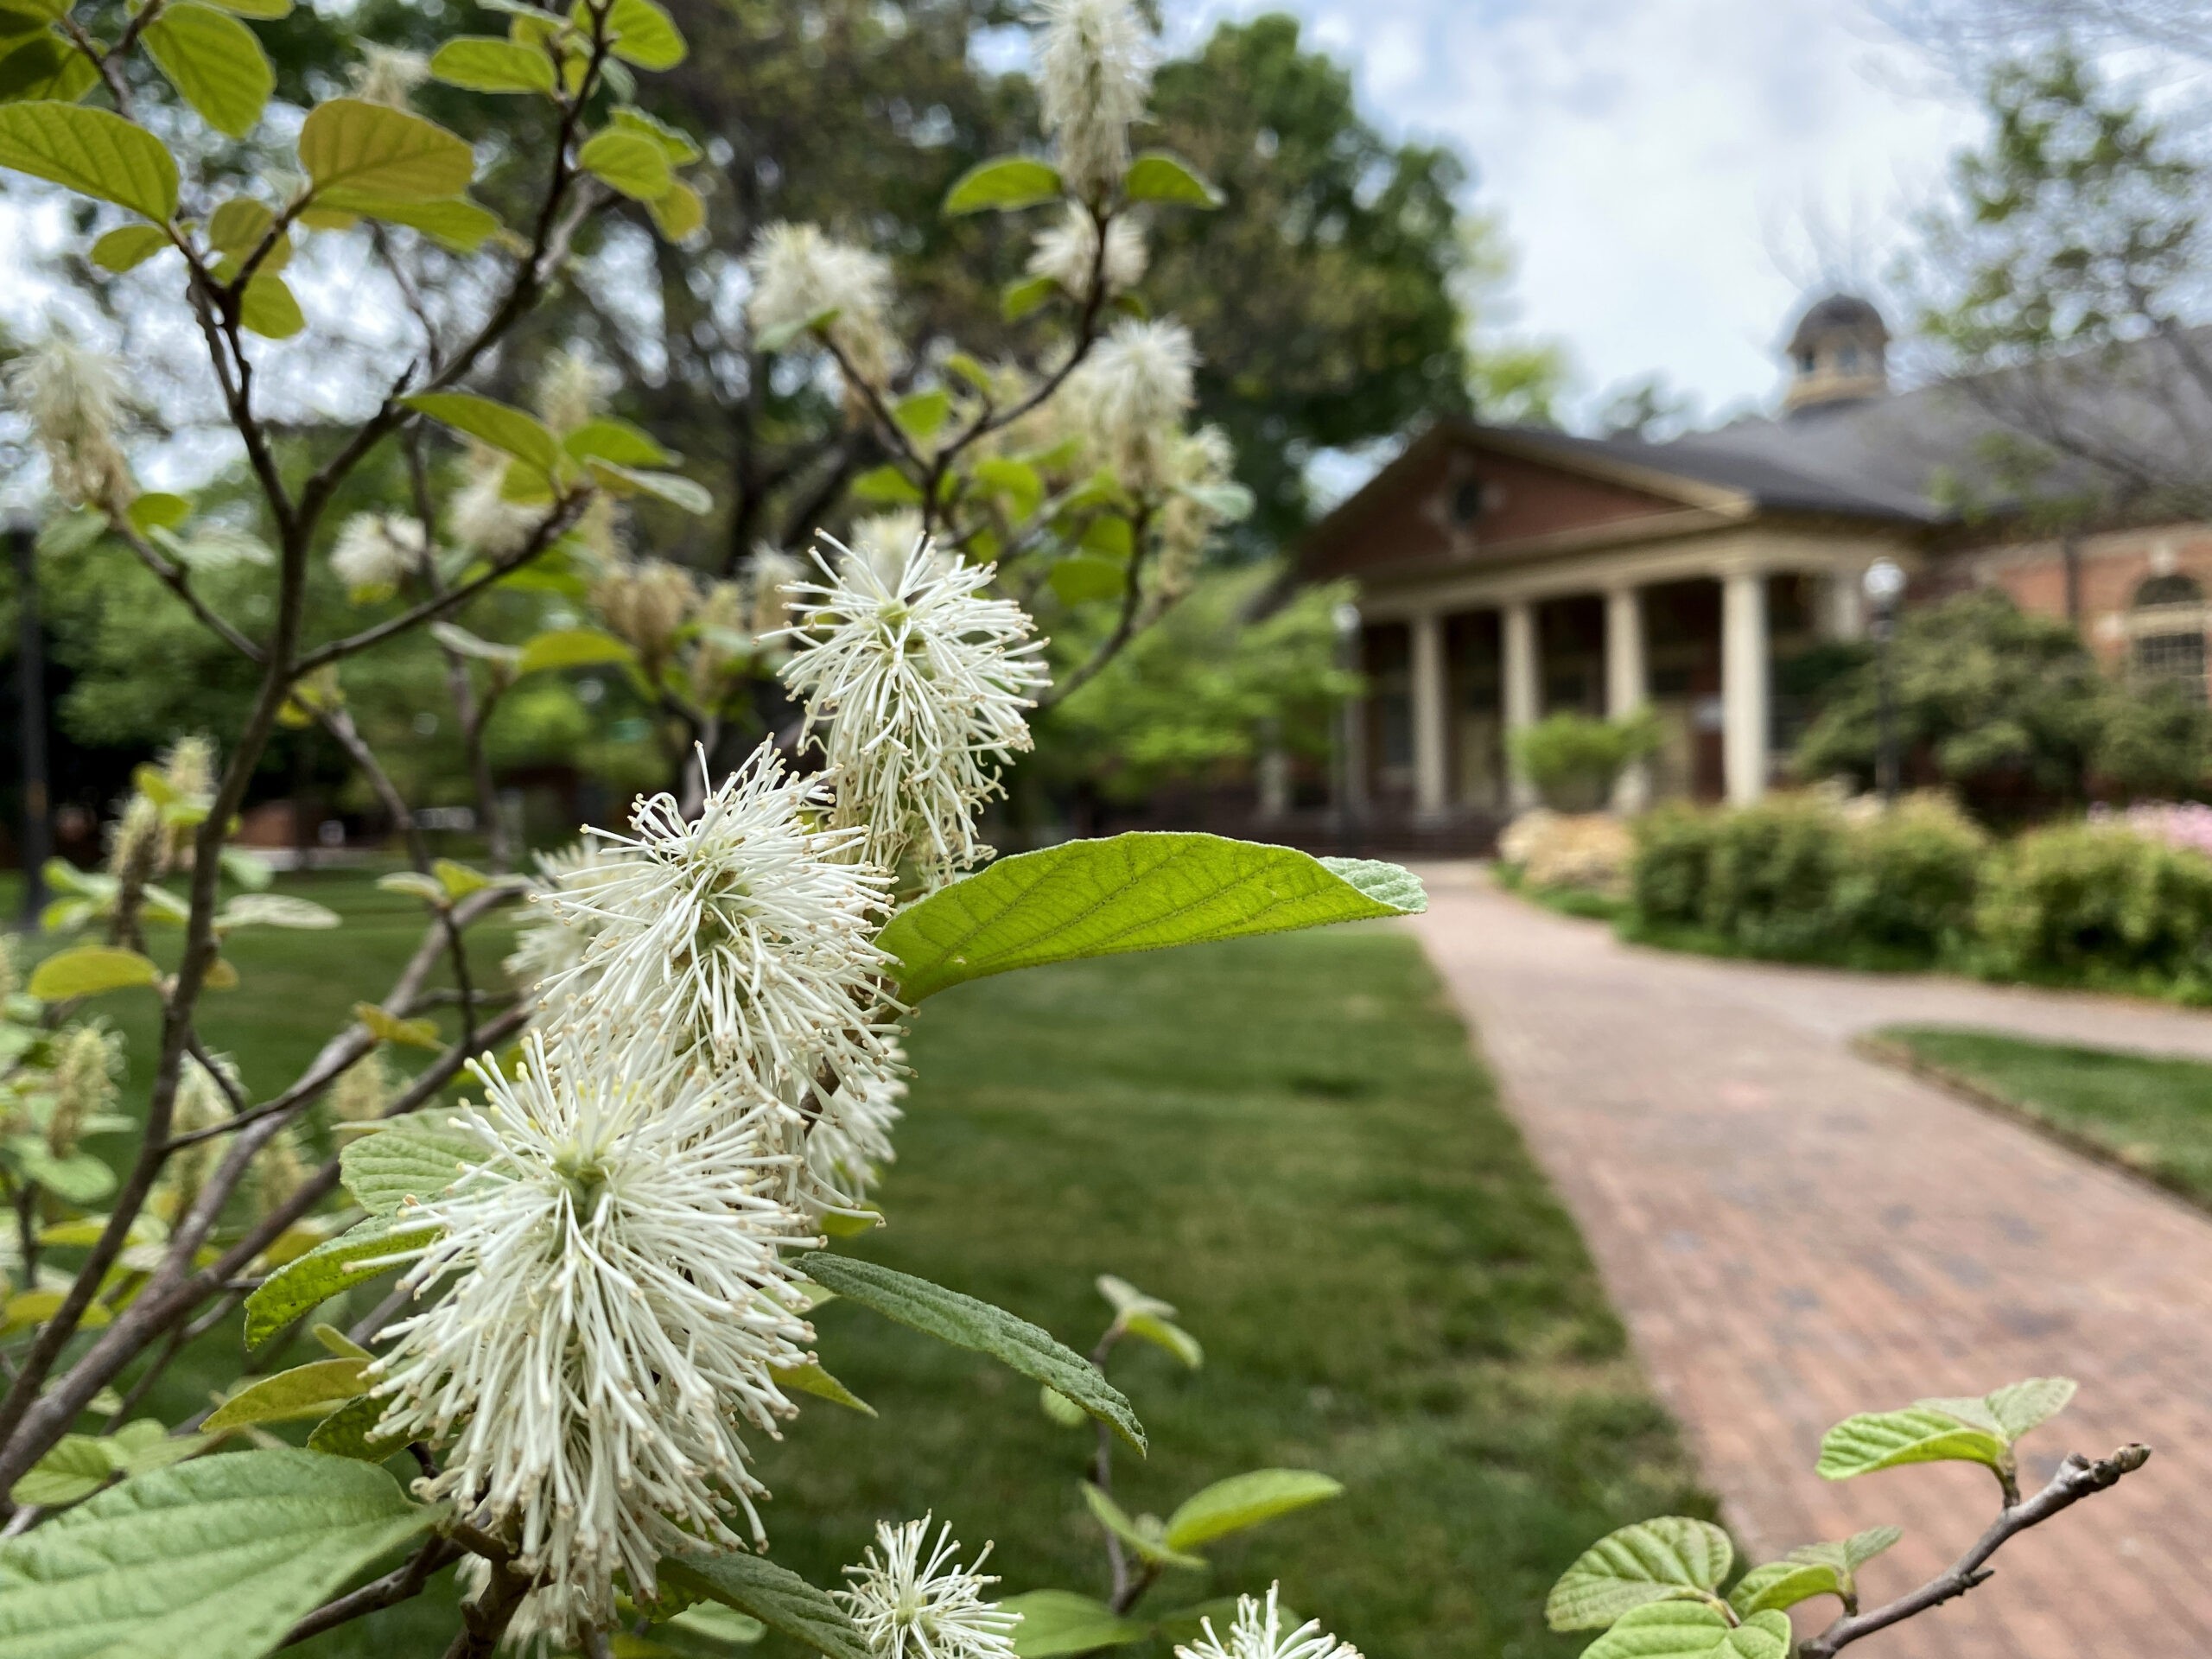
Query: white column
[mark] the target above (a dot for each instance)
(1743, 685)
(1626, 689)
(1847, 606)
(1432, 715)
(1521, 695)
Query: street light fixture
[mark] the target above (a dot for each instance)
(1884, 584)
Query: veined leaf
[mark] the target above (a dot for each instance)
(1692, 1629)
(1889, 1440)
(1242, 1501)
(216, 1558)
(275, 910)
(1155, 175)
(677, 490)
(1057, 1622)
(76, 1467)
(505, 429)
(375, 149)
(390, 1028)
(1852, 1553)
(44, 66)
(616, 441)
(2020, 1407)
(452, 222)
(1022, 297)
(678, 211)
(572, 648)
(679, 145)
(91, 151)
(268, 307)
(967, 1323)
(1782, 1585)
(775, 1595)
(1165, 1333)
(1004, 184)
(215, 63)
(265, 10)
(409, 1158)
(350, 1432)
(629, 162)
(1137, 891)
(811, 1378)
(304, 1283)
(1146, 1538)
(128, 246)
(312, 1390)
(1652, 1560)
(921, 414)
(89, 970)
(644, 34)
(485, 63)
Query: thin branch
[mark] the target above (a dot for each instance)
(178, 580)
(2077, 1479)
(1125, 625)
(401, 1583)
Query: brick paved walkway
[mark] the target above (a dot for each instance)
(1793, 1233)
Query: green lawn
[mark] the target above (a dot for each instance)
(1286, 1138)
(2152, 1114)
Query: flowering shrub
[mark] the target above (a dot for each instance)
(609, 1252)
(2097, 900)
(2186, 825)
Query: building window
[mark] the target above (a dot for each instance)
(2168, 623)
(1467, 501)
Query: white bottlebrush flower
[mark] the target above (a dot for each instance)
(552, 946)
(482, 520)
(915, 687)
(1132, 393)
(645, 601)
(389, 74)
(885, 540)
(846, 1142)
(573, 389)
(1094, 75)
(799, 273)
(910, 1607)
(74, 401)
(615, 1303)
(767, 579)
(746, 931)
(1068, 253)
(1257, 1633)
(378, 551)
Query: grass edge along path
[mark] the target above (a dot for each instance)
(2148, 1116)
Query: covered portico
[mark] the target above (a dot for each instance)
(1505, 575)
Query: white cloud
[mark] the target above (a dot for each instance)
(1673, 171)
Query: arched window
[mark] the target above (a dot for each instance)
(2168, 624)
(1467, 501)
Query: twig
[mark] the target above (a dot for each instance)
(401, 1583)
(2077, 1479)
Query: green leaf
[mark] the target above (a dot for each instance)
(377, 150)
(1854, 1552)
(1057, 1622)
(90, 151)
(1782, 1585)
(1231, 502)
(978, 1326)
(811, 1378)
(215, 63)
(275, 910)
(1022, 484)
(1242, 1501)
(453, 222)
(678, 211)
(140, 1446)
(2020, 1407)
(128, 246)
(80, 1177)
(1081, 578)
(776, 1596)
(75, 1468)
(266, 10)
(885, 487)
(1139, 892)
(88, 970)
(336, 1342)
(388, 1027)
(216, 1558)
(350, 1432)
(920, 415)
(307, 1281)
(1147, 1540)
(485, 63)
(1652, 1560)
(1889, 1440)
(572, 648)
(629, 162)
(1059, 1409)
(157, 510)
(679, 145)
(457, 879)
(507, 429)
(616, 441)
(674, 488)
(1155, 175)
(1163, 1333)
(1692, 1629)
(644, 34)
(1021, 298)
(248, 870)
(1004, 184)
(306, 1391)
(409, 1158)
(44, 67)
(268, 308)
(417, 885)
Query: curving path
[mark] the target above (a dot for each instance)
(1793, 1233)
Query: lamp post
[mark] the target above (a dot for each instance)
(37, 843)
(1885, 585)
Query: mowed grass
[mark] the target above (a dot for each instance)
(2153, 1114)
(1286, 1138)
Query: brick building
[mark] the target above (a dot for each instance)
(1505, 572)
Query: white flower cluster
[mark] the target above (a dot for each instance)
(1068, 253)
(916, 686)
(908, 1605)
(75, 404)
(1094, 76)
(1130, 396)
(1257, 1633)
(376, 551)
(802, 277)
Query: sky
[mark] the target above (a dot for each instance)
(1675, 173)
